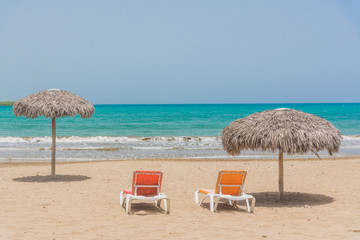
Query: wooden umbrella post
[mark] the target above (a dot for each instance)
(53, 103)
(281, 174)
(53, 149)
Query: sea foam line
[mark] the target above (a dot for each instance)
(111, 139)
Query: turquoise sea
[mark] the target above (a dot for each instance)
(153, 131)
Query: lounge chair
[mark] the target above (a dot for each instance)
(229, 186)
(146, 186)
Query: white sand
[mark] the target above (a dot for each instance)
(322, 201)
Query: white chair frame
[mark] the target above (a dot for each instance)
(126, 199)
(233, 199)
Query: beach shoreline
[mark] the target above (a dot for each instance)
(42, 163)
(74, 148)
(321, 200)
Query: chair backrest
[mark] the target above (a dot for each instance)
(146, 183)
(230, 182)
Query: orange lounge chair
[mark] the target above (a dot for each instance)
(146, 186)
(229, 186)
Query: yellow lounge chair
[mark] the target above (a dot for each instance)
(229, 186)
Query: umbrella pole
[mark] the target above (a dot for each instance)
(53, 149)
(281, 174)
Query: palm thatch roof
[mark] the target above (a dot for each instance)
(287, 130)
(53, 103)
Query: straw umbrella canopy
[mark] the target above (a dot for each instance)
(53, 103)
(283, 130)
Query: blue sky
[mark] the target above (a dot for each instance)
(131, 52)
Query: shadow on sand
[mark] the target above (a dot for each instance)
(270, 199)
(291, 199)
(225, 207)
(47, 178)
(143, 209)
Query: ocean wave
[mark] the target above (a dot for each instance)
(351, 137)
(111, 139)
(73, 148)
(128, 139)
(3, 149)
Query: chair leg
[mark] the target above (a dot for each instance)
(216, 204)
(122, 198)
(201, 201)
(197, 197)
(247, 205)
(167, 205)
(250, 208)
(128, 205)
(158, 203)
(130, 202)
(212, 203)
(232, 203)
(253, 200)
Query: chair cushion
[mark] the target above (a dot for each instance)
(127, 191)
(147, 178)
(227, 177)
(206, 191)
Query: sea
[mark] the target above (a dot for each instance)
(155, 131)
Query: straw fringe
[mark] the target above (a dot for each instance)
(53, 104)
(289, 130)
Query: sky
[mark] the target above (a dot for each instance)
(188, 51)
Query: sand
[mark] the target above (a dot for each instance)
(322, 201)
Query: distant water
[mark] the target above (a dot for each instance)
(153, 131)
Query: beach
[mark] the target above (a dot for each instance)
(322, 200)
(95, 159)
(95, 90)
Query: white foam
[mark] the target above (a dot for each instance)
(71, 148)
(152, 148)
(19, 149)
(351, 147)
(351, 137)
(110, 139)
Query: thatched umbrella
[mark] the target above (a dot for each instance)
(284, 130)
(53, 103)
